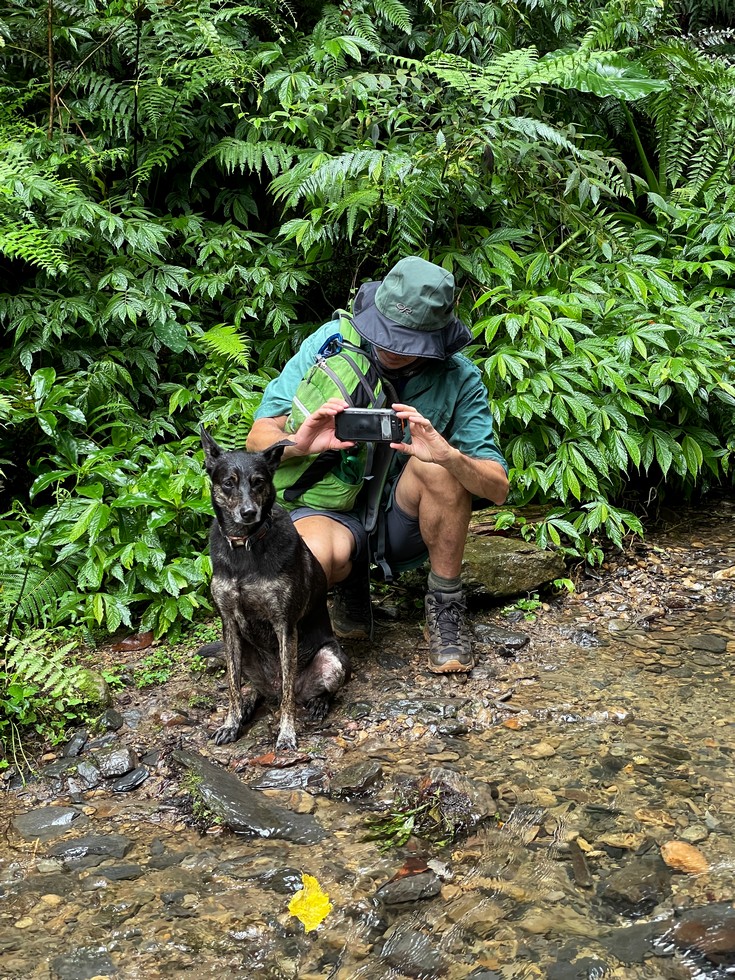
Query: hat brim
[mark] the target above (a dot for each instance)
(390, 336)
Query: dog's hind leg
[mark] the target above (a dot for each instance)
(288, 649)
(237, 710)
(321, 679)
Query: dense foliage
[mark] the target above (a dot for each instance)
(185, 189)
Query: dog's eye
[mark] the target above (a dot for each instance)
(228, 483)
(256, 483)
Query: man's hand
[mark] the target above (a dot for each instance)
(482, 477)
(316, 433)
(426, 443)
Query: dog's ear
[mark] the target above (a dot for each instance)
(272, 455)
(212, 451)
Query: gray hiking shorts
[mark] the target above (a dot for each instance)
(404, 546)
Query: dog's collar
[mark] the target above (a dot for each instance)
(248, 540)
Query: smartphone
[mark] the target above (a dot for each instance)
(368, 425)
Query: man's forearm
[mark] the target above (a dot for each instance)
(482, 477)
(266, 432)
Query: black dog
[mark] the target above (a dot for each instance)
(271, 593)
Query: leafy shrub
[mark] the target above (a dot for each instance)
(40, 690)
(170, 241)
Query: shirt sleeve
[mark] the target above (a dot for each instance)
(279, 393)
(470, 428)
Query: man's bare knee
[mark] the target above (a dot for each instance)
(422, 484)
(330, 542)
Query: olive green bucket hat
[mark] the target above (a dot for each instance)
(411, 312)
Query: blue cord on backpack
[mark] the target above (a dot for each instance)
(331, 346)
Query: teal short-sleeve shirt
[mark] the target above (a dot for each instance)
(449, 393)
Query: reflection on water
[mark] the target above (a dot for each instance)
(609, 736)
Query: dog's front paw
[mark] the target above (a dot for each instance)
(226, 734)
(286, 740)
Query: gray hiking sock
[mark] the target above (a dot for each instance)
(435, 583)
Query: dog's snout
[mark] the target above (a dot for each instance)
(247, 514)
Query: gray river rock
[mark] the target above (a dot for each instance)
(243, 809)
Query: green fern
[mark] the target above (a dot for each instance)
(31, 596)
(32, 661)
(223, 340)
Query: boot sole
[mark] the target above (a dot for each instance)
(356, 634)
(451, 666)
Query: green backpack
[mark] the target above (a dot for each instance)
(332, 480)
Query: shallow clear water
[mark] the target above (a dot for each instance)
(606, 738)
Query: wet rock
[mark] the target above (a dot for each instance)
(370, 920)
(425, 707)
(391, 661)
(245, 810)
(122, 872)
(99, 845)
(133, 717)
(359, 709)
(477, 915)
(102, 741)
(541, 750)
(638, 887)
(449, 729)
(409, 888)
(294, 777)
(413, 954)
(172, 719)
(283, 881)
(703, 659)
(580, 868)
(633, 944)
(76, 743)
(506, 641)
(578, 967)
(88, 773)
(83, 964)
(694, 833)
(558, 921)
(669, 753)
(47, 822)
(708, 930)
(482, 800)
(357, 779)
(93, 687)
(58, 768)
(111, 721)
(584, 637)
(708, 642)
(131, 780)
(496, 567)
(684, 857)
(115, 760)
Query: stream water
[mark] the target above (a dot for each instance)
(583, 782)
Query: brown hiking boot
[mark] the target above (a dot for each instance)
(352, 610)
(449, 639)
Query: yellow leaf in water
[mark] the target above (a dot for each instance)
(310, 905)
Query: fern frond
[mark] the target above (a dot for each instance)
(32, 595)
(30, 661)
(233, 154)
(395, 13)
(223, 340)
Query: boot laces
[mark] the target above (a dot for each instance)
(355, 598)
(449, 621)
